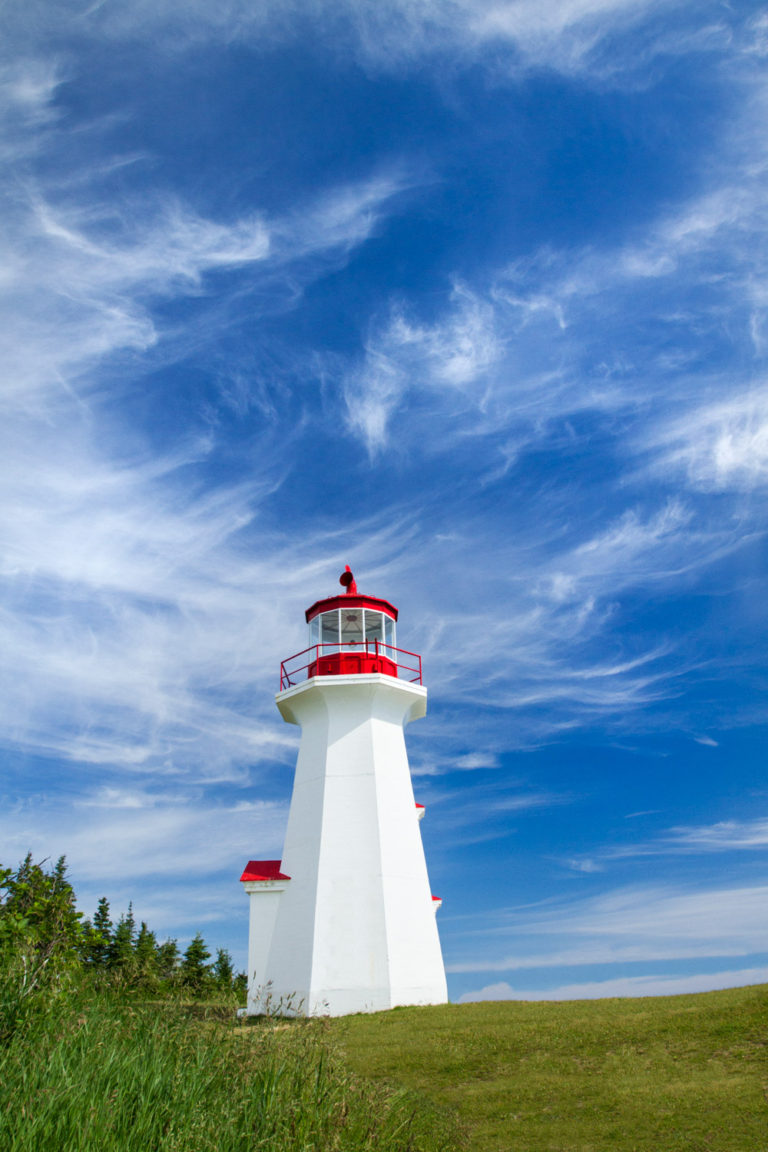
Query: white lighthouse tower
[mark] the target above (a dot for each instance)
(345, 922)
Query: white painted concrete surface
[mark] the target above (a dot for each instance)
(354, 929)
(264, 900)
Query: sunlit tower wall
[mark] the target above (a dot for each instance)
(345, 922)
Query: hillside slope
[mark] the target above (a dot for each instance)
(647, 1075)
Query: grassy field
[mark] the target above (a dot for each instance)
(94, 1073)
(83, 1072)
(649, 1075)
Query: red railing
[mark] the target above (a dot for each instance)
(350, 659)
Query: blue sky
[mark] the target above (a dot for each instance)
(470, 295)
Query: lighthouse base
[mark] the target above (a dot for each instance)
(269, 1000)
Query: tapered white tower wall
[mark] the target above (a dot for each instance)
(346, 921)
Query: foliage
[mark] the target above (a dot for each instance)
(97, 936)
(40, 932)
(223, 969)
(37, 911)
(168, 960)
(194, 971)
(681, 1073)
(46, 943)
(145, 957)
(121, 943)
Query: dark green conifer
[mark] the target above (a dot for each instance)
(195, 973)
(223, 969)
(167, 956)
(120, 952)
(98, 936)
(145, 956)
(37, 910)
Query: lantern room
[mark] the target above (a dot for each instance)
(351, 634)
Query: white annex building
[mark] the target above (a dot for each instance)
(345, 922)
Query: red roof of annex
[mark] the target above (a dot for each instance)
(263, 870)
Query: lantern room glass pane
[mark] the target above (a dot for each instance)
(389, 633)
(351, 626)
(374, 629)
(329, 627)
(314, 631)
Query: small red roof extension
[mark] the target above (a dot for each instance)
(263, 870)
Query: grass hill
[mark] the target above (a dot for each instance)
(644, 1075)
(89, 1070)
(110, 1042)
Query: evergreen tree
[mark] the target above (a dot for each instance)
(39, 924)
(98, 936)
(120, 952)
(145, 956)
(194, 970)
(40, 938)
(223, 969)
(167, 958)
(38, 912)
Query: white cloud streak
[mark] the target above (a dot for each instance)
(576, 37)
(623, 986)
(635, 925)
(724, 836)
(127, 600)
(720, 446)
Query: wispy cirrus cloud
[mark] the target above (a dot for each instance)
(724, 836)
(119, 841)
(535, 637)
(453, 356)
(133, 621)
(127, 613)
(639, 924)
(576, 37)
(82, 281)
(718, 447)
(555, 334)
(624, 986)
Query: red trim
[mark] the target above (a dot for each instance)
(263, 870)
(351, 601)
(419, 805)
(437, 899)
(351, 664)
(348, 658)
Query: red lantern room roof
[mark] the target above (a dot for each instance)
(351, 598)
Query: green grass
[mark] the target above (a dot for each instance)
(101, 1075)
(649, 1075)
(84, 1072)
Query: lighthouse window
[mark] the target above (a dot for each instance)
(389, 632)
(314, 631)
(373, 626)
(351, 625)
(329, 628)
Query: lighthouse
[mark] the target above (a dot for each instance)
(346, 921)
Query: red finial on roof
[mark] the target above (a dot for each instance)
(348, 581)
